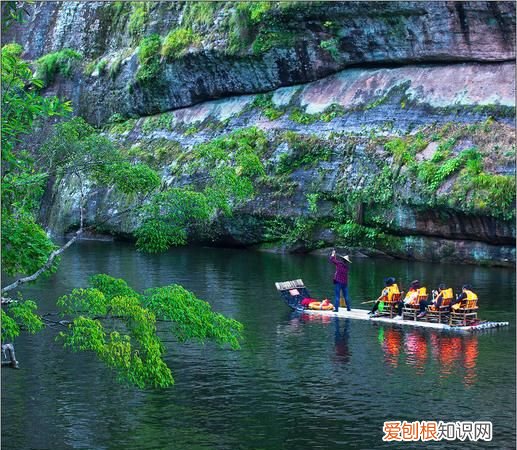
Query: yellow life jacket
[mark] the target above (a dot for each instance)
(393, 289)
(412, 297)
(470, 295)
(422, 291)
(447, 293)
(463, 304)
(408, 295)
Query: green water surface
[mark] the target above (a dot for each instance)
(299, 382)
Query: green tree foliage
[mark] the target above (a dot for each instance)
(76, 148)
(14, 12)
(73, 148)
(167, 217)
(353, 234)
(109, 318)
(223, 174)
(120, 325)
(24, 243)
(21, 103)
(20, 315)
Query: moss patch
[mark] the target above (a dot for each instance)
(60, 62)
(158, 122)
(459, 173)
(138, 18)
(149, 59)
(305, 151)
(265, 103)
(157, 152)
(177, 42)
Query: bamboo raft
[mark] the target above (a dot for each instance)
(292, 292)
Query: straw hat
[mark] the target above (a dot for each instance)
(346, 258)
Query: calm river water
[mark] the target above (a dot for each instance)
(297, 383)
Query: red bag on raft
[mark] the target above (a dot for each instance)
(306, 301)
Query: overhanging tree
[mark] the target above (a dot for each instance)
(109, 318)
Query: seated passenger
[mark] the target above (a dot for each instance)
(390, 288)
(436, 302)
(466, 295)
(413, 293)
(411, 297)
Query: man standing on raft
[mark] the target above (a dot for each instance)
(340, 279)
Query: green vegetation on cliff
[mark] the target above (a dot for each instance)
(228, 166)
(149, 59)
(305, 151)
(60, 62)
(265, 103)
(177, 42)
(471, 188)
(138, 18)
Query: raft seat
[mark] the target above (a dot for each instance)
(411, 310)
(467, 315)
(389, 306)
(441, 314)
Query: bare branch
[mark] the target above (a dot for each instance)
(81, 202)
(77, 234)
(45, 267)
(49, 322)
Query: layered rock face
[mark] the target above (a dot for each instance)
(390, 125)
(232, 51)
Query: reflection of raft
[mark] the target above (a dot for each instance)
(293, 292)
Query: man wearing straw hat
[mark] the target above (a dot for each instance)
(340, 279)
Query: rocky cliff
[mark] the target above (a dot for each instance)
(390, 125)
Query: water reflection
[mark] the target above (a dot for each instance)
(456, 352)
(415, 347)
(451, 355)
(391, 342)
(341, 340)
(321, 318)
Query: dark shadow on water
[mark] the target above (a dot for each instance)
(341, 340)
